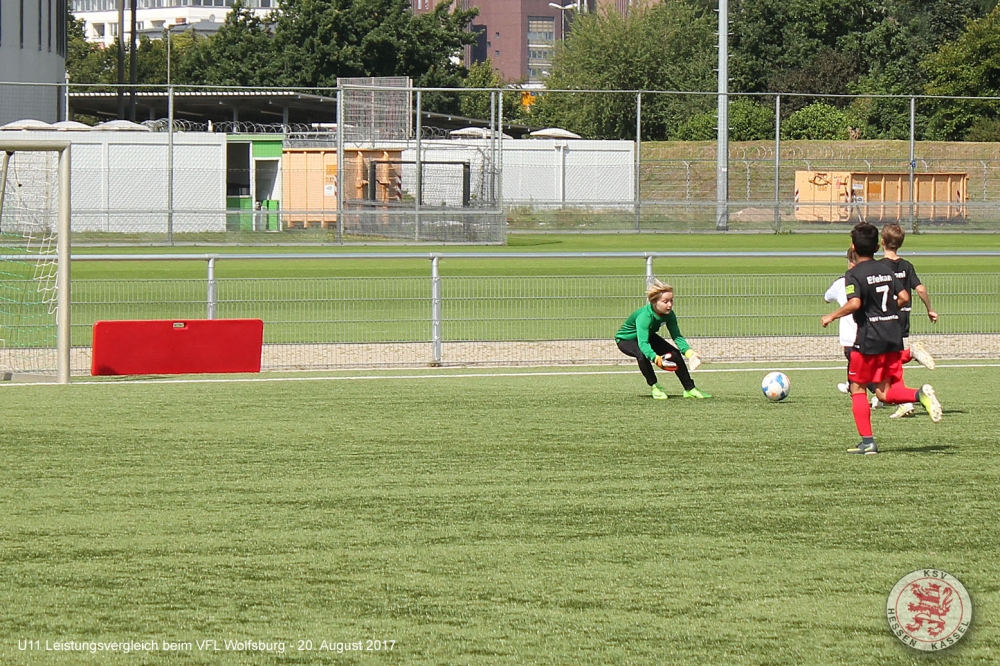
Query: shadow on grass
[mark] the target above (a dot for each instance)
(946, 449)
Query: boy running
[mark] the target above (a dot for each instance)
(638, 338)
(848, 333)
(874, 296)
(892, 239)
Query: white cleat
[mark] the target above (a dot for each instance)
(904, 410)
(930, 403)
(875, 402)
(921, 355)
(844, 388)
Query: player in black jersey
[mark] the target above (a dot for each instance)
(892, 239)
(874, 296)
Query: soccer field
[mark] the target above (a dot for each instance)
(460, 517)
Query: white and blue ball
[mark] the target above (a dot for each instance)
(776, 386)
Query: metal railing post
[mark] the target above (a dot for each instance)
(649, 270)
(435, 311)
(212, 296)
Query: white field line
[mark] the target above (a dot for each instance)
(440, 375)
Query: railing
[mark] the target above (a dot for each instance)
(437, 319)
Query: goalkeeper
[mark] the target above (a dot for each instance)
(638, 338)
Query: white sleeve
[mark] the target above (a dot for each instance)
(831, 294)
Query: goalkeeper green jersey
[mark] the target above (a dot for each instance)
(644, 322)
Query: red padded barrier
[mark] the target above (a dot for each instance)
(173, 347)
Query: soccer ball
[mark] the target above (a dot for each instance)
(776, 386)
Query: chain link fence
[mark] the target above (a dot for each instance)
(269, 166)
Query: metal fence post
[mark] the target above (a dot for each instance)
(649, 270)
(777, 162)
(420, 172)
(722, 140)
(638, 161)
(212, 291)
(913, 156)
(435, 311)
(340, 165)
(170, 165)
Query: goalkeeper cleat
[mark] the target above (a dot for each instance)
(844, 388)
(904, 410)
(921, 355)
(695, 393)
(930, 402)
(658, 393)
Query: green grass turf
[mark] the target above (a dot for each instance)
(563, 519)
(837, 242)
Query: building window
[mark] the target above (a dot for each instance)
(541, 46)
(542, 30)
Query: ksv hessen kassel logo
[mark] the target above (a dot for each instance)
(929, 610)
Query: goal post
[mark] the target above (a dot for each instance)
(35, 233)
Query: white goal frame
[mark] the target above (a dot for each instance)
(63, 230)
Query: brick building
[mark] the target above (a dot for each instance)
(519, 36)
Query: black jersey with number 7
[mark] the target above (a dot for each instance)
(879, 327)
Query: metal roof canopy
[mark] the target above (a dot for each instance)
(264, 107)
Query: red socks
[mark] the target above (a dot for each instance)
(898, 394)
(862, 411)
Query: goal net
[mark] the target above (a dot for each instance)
(34, 259)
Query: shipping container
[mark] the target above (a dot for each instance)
(843, 196)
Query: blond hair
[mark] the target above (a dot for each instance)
(893, 236)
(656, 288)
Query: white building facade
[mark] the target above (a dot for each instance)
(154, 16)
(32, 60)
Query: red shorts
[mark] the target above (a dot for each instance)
(875, 368)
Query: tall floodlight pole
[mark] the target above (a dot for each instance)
(722, 148)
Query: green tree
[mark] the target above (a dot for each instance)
(966, 67)
(241, 53)
(317, 41)
(818, 121)
(87, 62)
(668, 46)
(893, 49)
(797, 45)
(476, 103)
(749, 120)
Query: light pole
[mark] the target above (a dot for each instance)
(562, 10)
(170, 27)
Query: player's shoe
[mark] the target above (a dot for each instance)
(921, 355)
(904, 410)
(875, 402)
(930, 402)
(658, 393)
(695, 393)
(864, 449)
(844, 388)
